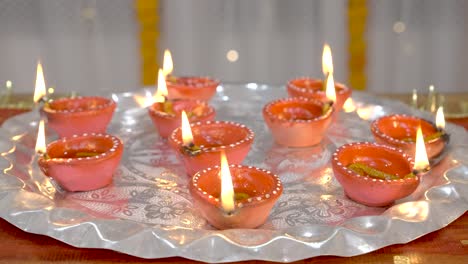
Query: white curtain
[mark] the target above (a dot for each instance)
(93, 45)
(88, 46)
(415, 43)
(275, 40)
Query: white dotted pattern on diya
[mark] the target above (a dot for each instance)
(375, 128)
(306, 90)
(296, 99)
(116, 143)
(208, 81)
(250, 135)
(275, 192)
(354, 174)
(106, 104)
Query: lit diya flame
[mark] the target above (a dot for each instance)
(161, 93)
(421, 162)
(40, 88)
(40, 141)
(168, 66)
(187, 136)
(330, 90)
(188, 146)
(327, 61)
(440, 119)
(227, 188)
(158, 97)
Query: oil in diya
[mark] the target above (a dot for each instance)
(400, 130)
(189, 88)
(315, 88)
(74, 162)
(300, 121)
(198, 145)
(377, 175)
(235, 196)
(166, 114)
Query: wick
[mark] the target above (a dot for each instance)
(327, 107)
(43, 155)
(230, 213)
(421, 171)
(444, 135)
(42, 100)
(191, 149)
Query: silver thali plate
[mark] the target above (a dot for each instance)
(147, 211)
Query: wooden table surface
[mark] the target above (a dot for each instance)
(447, 245)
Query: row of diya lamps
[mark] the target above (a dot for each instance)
(237, 196)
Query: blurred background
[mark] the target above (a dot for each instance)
(117, 45)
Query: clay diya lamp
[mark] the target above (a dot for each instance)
(82, 163)
(244, 202)
(166, 113)
(198, 145)
(318, 89)
(166, 116)
(374, 175)
(189, 88)
(298, 121)
(72, 116)
(314, 88)
(399, 131)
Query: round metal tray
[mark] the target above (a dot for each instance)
(147, 211)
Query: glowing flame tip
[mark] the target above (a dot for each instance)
(162, 87)
(40, 141)
(330, 88)
(440, 119)
(327, 60)
(40, 88)
(187, 136)
(227, 188)
(421, 162)
(168, 65)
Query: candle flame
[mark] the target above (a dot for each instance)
(40, 141)
(158, 97)
(168, 66)
(421, 162)
(327, 61)
(330, 90)
(162, 88)
(349, 106)
(227, 189)
(440, 119)
(40, 88)
(187, 136)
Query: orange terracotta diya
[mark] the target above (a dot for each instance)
(199, 145)
(166, 116)
(318, 89)
(70, 116)
(314, 88)
(191, 88)
(82, 163)
(374, 175)
(188, 88)
(399, 131)
(297, 121)
(255, 192)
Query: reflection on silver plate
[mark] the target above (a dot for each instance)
(147, 212)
